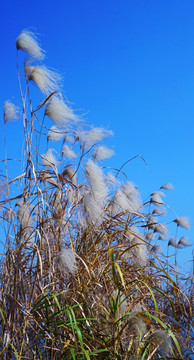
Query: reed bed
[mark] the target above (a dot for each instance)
(83, 274)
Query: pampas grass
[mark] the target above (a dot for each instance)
(55, 134)
(183, 222)
(66, 262)
(27, 41)
(46, 80)
(102, 153)
(60, 113)
(95, 178)
(68, 152)
(11, 112)
(83, 274)
(49, 160)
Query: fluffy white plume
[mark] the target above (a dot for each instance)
(46, 80)
(167, 186)
(60, 113)
(27, 42)
(81, 220)
(159, 210)
(55, 134)
(157, 248)
(48, 159)
(162, 238)
(160, 193)
(98, 134)
(111, 180)
(183, 222)
(173, 243)
(126, 198)
(96, 180)
(89, 138)
(161, 338)
(184, 240)
(160, 228)
(132, 195)
(9, 214)
(102, 153)
(136, 322)
(95, 199)
(68, 152)
(66, 262)
(11, 112)
(73, 195)
(23, 214)
(68, 138)
(120, 202)
(140, 250)
(156, 198)
(93, 209)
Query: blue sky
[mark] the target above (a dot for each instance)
(129, 66)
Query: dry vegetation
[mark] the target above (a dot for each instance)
(83, 275)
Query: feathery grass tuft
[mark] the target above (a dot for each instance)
(27, 41)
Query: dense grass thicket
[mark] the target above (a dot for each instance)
(83, 274)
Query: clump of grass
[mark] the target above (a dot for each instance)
(83, 275)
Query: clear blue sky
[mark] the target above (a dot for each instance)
(130, 66)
